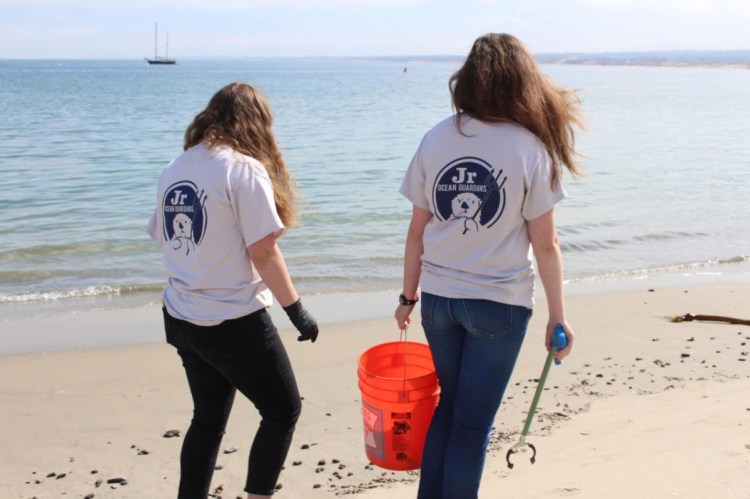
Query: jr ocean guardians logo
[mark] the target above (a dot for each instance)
(469, 189)
(185, 217)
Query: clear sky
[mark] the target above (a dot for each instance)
(123, 29)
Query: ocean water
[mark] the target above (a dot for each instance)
(82, 143)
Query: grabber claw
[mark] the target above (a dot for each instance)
(520, 447)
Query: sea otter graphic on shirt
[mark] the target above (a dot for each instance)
(185, 217)
(469, 190)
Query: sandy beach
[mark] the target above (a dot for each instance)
(644, 407)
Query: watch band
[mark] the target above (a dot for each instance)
(403, 300)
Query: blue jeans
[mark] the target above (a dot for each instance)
(245, 355)
(474, 344)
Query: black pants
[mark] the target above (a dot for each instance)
(244, 354)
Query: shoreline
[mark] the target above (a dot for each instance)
(24, 332)
(625, 403)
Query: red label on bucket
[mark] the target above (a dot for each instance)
(401, 437)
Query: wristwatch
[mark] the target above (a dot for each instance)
(405, 301)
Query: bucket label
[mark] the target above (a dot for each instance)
(374, 435)
(401, 433)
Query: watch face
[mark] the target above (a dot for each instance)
(404, 301)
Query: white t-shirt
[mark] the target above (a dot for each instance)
(211, 205)
(481, 188)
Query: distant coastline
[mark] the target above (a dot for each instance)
(675, 58)
(680, 58)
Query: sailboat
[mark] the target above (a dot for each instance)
(157, 59)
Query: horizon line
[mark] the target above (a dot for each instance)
(394, 56)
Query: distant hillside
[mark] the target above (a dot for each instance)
(659, 58)
(703, 58)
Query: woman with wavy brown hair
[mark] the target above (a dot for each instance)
(483, 185)
(221, 205)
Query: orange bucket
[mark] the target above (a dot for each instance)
(399, 390)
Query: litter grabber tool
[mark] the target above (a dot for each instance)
(559, 341)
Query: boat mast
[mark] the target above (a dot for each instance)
(156, 38)
(167, 55)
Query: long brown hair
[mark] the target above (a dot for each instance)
(238, 116)
(501, 81)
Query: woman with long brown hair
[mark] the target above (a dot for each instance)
(483, 184)
(221, 205)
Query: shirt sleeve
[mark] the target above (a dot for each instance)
(152, 229)
(254, 206)
(154, 226)
(413, 185)
(540, 197)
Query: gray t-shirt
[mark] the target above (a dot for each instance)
(211, 205)
(481, 187)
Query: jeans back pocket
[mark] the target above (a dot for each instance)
(492, 320)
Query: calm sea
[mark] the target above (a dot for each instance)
(666, 191)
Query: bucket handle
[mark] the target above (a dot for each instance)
(403, 337)
(404, 332)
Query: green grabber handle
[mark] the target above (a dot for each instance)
(538, 393)
(559, 342)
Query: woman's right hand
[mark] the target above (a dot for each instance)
(569, 336)
(303, 321)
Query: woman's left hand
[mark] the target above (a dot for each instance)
(403, 316)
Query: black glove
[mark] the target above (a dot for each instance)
(303, 321)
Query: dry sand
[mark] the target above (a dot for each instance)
(642, 408)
